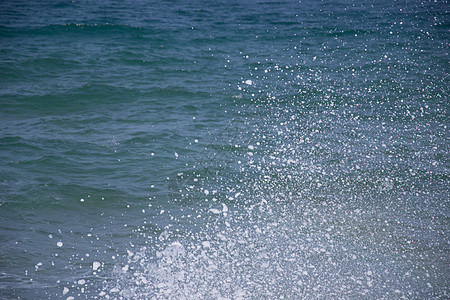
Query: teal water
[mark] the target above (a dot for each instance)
(224, 150)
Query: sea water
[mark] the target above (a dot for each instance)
(247, 149)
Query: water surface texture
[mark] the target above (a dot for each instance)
(224, 149)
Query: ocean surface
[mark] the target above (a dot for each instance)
(247, 149)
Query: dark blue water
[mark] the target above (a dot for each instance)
(224, 150)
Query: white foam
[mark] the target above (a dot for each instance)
(96, 265)
(215, 211)
(224, 207)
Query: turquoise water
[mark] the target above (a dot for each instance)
(224, 150)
